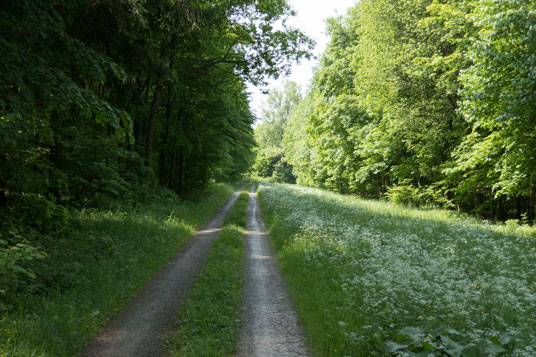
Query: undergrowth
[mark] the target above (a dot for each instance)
(91, 270)
(375, 279)
(210, 318)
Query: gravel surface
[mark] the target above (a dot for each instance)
(269, 321)
(139, 330)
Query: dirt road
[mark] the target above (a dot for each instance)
(138, 330)
(269, 322)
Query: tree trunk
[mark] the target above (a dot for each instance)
(163, 171)
(519, 207)
(154, 111)
(500, 209)
(150, 129)
(532, 208)
(492, 209)
(382, 184)
(477, 203)
(55, 152)
(181, 165)
(3, 199)
(172, 182)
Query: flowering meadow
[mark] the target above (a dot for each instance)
(373, 279)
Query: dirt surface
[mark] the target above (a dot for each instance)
(269, 322)
(150, 316)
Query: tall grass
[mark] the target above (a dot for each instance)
(100, 267)
(372, 279)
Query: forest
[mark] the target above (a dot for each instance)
(100, 96)
(111, 100)
(422, 102)
(125, 125)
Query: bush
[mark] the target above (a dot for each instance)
(407, 195)
(283, 173)
(264, 166)
(404, 194)
(14, 271)
(40, 212)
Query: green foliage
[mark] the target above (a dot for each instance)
(40, 213)
(283, 173)
(296, 147)
(210, 319)
(414, 342)
(48, 101)
(13, 270)
(404, 194)
(497, 99)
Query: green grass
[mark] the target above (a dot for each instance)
(98, 268)
(210, 318)
(373, 279)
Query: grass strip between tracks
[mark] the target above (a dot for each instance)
(209, 321)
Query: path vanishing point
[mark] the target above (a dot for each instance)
(269, 324)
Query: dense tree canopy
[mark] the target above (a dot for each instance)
(426, 102)
(89, 87)
(102, 99)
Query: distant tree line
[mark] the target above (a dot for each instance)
(279, 106)
(427, 103)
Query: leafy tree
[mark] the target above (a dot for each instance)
(98, 96)
(297, 148)
(499, 155)
(411, 90)
(241, 33)
(385, 98)
(423, 96)
(187, 53)
(49, 104)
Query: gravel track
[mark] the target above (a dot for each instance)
(140, 328)
(269, 322)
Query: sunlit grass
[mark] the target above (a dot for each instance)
(360, 271)
(209, 320)
(102, 266)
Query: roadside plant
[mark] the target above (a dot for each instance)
(13, 268)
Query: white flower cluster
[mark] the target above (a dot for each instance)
(399, 267)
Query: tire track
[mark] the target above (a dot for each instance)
(269, 322)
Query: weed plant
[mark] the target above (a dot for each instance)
(210, 318)
(97, 269)
(373, 279)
